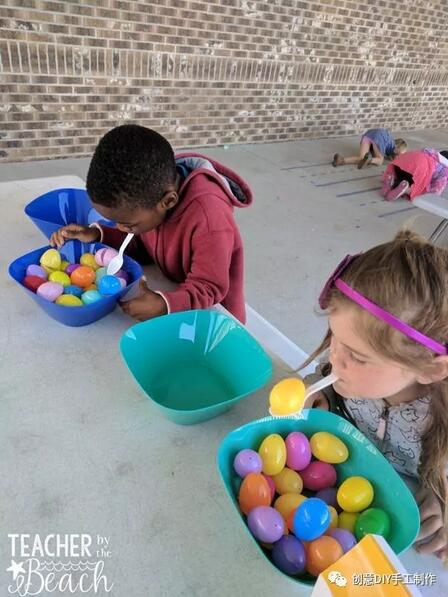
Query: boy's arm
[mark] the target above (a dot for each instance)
(113, 237)
(207, 282)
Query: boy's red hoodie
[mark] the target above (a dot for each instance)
(198, 245)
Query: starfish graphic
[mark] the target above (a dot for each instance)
(15, 568)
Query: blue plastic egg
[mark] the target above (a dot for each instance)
(311, 519)
(72, 289)
(90, 296)
(109, 285)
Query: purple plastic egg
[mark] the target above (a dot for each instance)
(266, 524)
(318, 475)
(298, 451)
(99, 255)
(289, 555)
(122, 274)
(247, 461)
(50, 291)
(36, 270)
(122, 282)
(71, 268)
(345, 539)
(328, 495)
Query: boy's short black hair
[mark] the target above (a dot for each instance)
(132, 166)
(444, 153)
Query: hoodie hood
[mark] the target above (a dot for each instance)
(195, 165)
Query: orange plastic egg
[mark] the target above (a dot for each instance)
(254, 491)
(83, 276)
(321, 553)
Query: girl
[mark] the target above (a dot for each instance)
(378, 143)
(416, 173)
(388, 328)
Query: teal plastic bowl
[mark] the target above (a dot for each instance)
(391, 493)
(194, 365)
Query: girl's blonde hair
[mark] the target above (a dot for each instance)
(408, 277)
(400, 146)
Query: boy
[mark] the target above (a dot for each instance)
(376, 144)
(181, 212)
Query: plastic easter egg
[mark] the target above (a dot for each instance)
(328, 495)
(109, 285)
(372, 521)
(83, 276)
(271, 485)
(287, 396)
(288, 481)
(69, 300)
(288, 502)
(51, 258)
(90, 296)
(247, 461)
(273, 454)
(288, 554)
(318, 475)
(333, 517)
(48, 270)
(89, 260)
(254, 491)
(124, 275)
(71, 268)
(321, 553)
(60, 278)
(72, 289)
(328, 448)
(92, 287)
(33, 282)
(345, 538)
(298, 451)
(347, 521)
(355, 494)
(108, 255)
(64, 265)
(266, 524)
(50, 291)
(36, 270)
(311, 519)
(122, 282)
(99, 256)
(290, 517)
(100, 273)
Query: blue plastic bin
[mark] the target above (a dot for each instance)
(74, 316)
(61, 207)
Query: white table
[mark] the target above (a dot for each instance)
(83, 451)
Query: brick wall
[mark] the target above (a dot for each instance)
(216, 72)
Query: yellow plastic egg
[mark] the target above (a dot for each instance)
(288, 502)
(334, 517)
(328, 448)
(51, 258)
(69, 300)
(347, 520)
(355, 494)
(287, 396)
(89, 260)
(288, 481)
(64, 265)
(60, 278)
(273, 454)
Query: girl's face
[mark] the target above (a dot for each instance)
(362, 372)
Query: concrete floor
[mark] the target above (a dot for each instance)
(84, 451)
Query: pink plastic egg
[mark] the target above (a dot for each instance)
(108, 255)
(271, 484)
(50, 291)
(99, 255)
(318, 475)
(298, 451)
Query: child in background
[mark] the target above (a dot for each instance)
(387, 343)
(376, 144)
(181, 212)
(415, 173)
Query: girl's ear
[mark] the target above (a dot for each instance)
(434, 372)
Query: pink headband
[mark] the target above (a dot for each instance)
(374, 309)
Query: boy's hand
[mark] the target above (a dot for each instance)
(74, 231)
(148, 305)
(433, 536)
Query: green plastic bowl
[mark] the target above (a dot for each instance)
(194, 365)
(391, 493)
